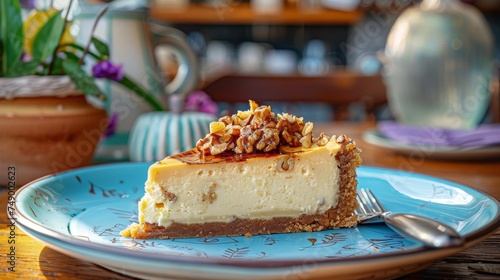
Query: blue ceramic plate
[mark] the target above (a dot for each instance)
(375, 137)
(81, 212)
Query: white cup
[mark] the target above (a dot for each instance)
(251, 57)
(281, 62)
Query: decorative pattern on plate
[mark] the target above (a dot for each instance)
(328, 244)
(81, 213)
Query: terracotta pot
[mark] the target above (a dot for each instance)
(47, 134)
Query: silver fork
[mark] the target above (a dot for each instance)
(430, 232)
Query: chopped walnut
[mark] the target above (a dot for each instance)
(226, 119)
(253, 105)
(287, 137)
(258, 130)
(308, 128)
(322, 139)
(306, 140)
(262, 112)
(269, 140)
(218, 148)
(340, 139)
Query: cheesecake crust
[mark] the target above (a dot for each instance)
(341, 215)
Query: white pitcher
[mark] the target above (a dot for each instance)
(132, 40)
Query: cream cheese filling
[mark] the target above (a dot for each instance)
(286, 185)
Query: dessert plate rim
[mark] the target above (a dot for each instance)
(154, 264)
(375, 137)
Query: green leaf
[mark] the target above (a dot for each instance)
(101, 47)
(80, 48)
(47, 39)
(71, 56)
(73, 45)
(139, 91)
(57, 67)
(23, 69)
(83, 82)
(11, 35)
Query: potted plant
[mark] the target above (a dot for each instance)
(49, 120)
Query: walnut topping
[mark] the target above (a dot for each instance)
(308, 128)
(306, 140)
(258, 130)
(341, 139)
(322, 139)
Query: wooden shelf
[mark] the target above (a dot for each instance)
(244, 14)
(339, 89)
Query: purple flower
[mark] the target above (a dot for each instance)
(28, 4)
(106, 69)
(199, 101)
(26, 57)
(112, 124)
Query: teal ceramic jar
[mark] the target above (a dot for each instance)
(159, 134)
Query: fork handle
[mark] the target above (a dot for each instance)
(430, 232)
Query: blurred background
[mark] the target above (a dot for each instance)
(275, 37)
(320, 59)
(282, 37)
(292, 38)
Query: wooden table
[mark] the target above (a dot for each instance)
(35, 261)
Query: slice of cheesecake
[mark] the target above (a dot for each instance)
(255, 173)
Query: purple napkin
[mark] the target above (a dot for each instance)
(483, 135)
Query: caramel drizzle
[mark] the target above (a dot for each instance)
(193, 157)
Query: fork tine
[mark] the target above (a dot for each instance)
(366, 202)
(366, 211)
(375, 202)
(368, 205)
(361, 209)
(428, 231)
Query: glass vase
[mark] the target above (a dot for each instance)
(439, 65)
